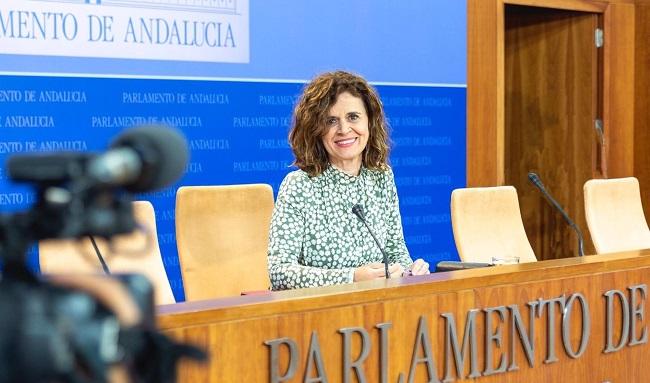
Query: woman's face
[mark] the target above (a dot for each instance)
(346, 133)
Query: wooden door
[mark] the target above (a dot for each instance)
(552, 78)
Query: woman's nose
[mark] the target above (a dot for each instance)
(344, 127)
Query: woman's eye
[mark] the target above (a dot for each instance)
(331, 121)
(354, 117)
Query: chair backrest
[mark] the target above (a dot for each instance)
(222, 238)
(615, 215)
(137, 252)
(487, 223)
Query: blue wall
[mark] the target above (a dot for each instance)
(236, 116)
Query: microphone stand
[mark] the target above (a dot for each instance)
(358, 211)
(535, 180)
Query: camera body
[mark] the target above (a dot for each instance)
(70, 202)
(53, 332)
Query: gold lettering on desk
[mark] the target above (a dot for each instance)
(632, 309)
(422, 341)
(451, 345)
(494, 337)
(383, 351)
(527, 342)
(637, 311)
(499, 358)
(314, 358)
(274, 363)
(625, 321)
(357, 364)
(550, 325)
(566, 325)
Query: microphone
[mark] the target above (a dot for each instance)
(358, 211)
(535, 180)
(142, 159)
(80, 193)
(455, 265)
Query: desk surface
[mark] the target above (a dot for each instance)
(586, 316)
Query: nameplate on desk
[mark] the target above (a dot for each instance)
(488, 344)
(583, 318)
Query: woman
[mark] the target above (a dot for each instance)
(340, 141)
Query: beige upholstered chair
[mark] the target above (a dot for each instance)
(137, 252)
(487, 223)
(222, 239)
(615, 215)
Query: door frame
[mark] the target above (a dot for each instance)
(486, 89)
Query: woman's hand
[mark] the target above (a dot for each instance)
(370, 271)
(419, 267)
(377, 271)
(395, 270)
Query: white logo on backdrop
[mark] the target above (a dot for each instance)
(219, 6)
(180, 30)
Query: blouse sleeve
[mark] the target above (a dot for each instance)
(286, 241)
(395, 244)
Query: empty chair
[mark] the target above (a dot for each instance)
(487, 223)
(222, 239)
(137, 252)
(615, 215)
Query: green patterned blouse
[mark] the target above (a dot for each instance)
(316, 240)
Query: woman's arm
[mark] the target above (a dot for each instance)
(286, 240)
(395, 244)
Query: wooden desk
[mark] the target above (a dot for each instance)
(407, 329)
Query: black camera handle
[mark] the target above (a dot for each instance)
(15, 236)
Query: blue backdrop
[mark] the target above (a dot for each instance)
(236, 116)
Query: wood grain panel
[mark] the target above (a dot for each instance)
(624, 82)
(642, 102)
(619, 86)
(484, 93)
(235, 330)
(574, 5)
(551, 104)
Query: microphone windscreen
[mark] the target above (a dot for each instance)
(534, 178)
(358, 211)
(163, 152)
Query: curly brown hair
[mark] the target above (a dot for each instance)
(310, 114)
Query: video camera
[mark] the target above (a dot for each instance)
(80, 328)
